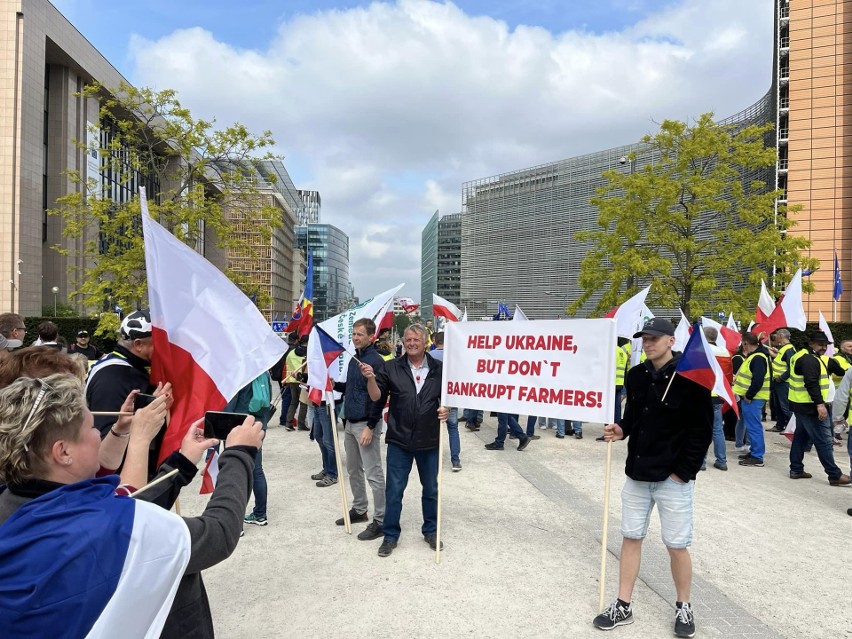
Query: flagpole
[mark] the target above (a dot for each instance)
(605, 524)
(440, 483)
(329, 400)
(671, 379)
(159, 480)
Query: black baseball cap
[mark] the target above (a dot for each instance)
(656, 326)
(82, 333)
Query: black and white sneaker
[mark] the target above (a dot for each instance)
(615, 615)
(684, 621)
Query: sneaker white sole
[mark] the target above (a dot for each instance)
(624, 622)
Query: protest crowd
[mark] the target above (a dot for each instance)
(95, 448)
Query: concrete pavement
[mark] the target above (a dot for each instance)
(522, 537)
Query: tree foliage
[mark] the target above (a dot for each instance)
(199, 178)
(693, 223)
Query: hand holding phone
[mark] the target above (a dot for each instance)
(141, 400)
(218, 425)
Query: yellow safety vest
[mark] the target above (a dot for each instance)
(779, 366)
(742, 382)
(844, 364)
(798, 393)
(622, 360)
(294, 362)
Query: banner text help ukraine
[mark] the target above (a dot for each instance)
(549, 368)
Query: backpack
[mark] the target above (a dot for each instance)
(261, 397)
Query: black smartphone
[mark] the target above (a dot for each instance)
(142, 400)
(219, 425)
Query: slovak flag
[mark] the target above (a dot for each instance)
(209, 339)
(445, 308)
(80, 561)
(323, 349)
(698, 364)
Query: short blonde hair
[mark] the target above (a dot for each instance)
(30, 425)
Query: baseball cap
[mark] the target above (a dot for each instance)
(656, 326)
(137, 325)
(82, 333)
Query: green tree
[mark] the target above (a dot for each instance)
(400, 323)
(694, 224)
(200, 179)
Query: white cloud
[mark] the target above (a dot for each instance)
(389, 108)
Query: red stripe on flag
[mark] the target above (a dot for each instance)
(193, 389)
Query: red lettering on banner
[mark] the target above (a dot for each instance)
(564, 396)
(524, 367)
(489, 366)
(484, 341)
(540, 343)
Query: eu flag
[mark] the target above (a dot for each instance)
(838, 285)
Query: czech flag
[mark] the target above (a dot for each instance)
(80, 561)
(323, 349)
(698, 364)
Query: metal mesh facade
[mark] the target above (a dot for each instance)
(518, 229)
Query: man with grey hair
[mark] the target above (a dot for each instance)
(12, 331)
(413, 383)
(781, 353)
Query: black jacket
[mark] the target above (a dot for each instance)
(110, 382)
(412, 417)
(357, 405)
(759, 371)
(665, 437)
(214, 537)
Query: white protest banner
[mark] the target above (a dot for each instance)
(340, 328)
(549, 368)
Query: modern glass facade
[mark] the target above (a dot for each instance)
(518, 241)
(428, 266)
(333, 292)
(311, 205)
(449, 258)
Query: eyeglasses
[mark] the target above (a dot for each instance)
(20, 328)
(44, 388)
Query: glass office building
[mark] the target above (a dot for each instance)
(428, 266)
(333, 292)
(518, 229)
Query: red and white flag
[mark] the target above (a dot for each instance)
(210, 474)
(789, 312)
(445, 308)
(823, 326)
(765, 304)
(408, 304)
(730, 339)
(629, 316)
(682, 332)
(209, 339)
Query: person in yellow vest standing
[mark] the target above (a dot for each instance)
(752, 385)
(809, 395)
(781, 355)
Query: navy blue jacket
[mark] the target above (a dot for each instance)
(357, 404)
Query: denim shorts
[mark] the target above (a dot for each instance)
(674, 502)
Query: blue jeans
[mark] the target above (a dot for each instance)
(471, 415)
(782, 404)
(552, 422)
(752, 412)
(259, 486)
(531, 420)
(809, 428)
(325, 438)
(577, 426)
(740, 433)
(399, 463)
(286, 397)
(849, 447)
(453, 433)
(719, 450)
(505, 422)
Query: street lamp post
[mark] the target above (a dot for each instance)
(55, 290)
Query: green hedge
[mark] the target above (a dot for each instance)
(68, 327)
(839, 331)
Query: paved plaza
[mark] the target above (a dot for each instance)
(522, 533)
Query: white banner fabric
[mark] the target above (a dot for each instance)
(549, 368)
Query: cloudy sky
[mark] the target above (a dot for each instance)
(386, 108)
